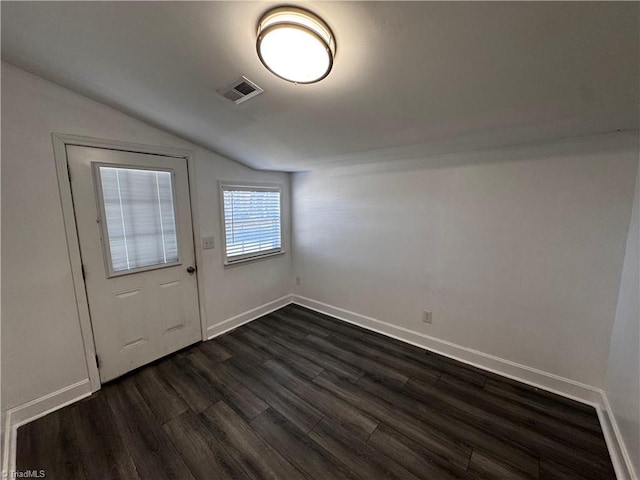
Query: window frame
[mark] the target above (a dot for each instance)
(102, 219)
(252, 187)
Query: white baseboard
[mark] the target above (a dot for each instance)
(522, 373)
(22, 414)
(565, 387)
(620, 456)
(248, 316)
(30, 411)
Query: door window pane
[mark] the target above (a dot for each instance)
(140, 218)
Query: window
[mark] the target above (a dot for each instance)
(140, 223)
(252, 224)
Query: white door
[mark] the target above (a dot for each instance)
(133, 216)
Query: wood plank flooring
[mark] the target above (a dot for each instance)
(299, 395)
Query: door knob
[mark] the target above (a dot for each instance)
(191, 270)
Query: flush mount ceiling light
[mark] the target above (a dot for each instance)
(295, 45)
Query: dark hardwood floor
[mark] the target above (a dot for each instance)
(299, 395)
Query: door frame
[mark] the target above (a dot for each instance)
(60, 142)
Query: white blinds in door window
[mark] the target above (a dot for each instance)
(251, 221)
(140, 220)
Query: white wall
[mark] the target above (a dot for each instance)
(517, 252)
(622, 384)
(42, 349)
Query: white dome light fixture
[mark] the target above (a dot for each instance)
(295, 45)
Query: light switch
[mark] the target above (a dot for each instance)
(208, 242)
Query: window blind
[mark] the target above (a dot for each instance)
(251, 221)
(140, 219)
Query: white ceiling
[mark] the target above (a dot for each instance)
(409, 79)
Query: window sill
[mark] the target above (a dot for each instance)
(253, 259)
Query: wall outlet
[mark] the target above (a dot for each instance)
(208, 242)
(298, 281)
(426, 316)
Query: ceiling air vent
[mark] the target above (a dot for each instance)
(241, 90)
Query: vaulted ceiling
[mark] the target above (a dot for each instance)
(410, 79)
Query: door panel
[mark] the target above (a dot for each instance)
(133, 216)
(130, 318)
(174, 304)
